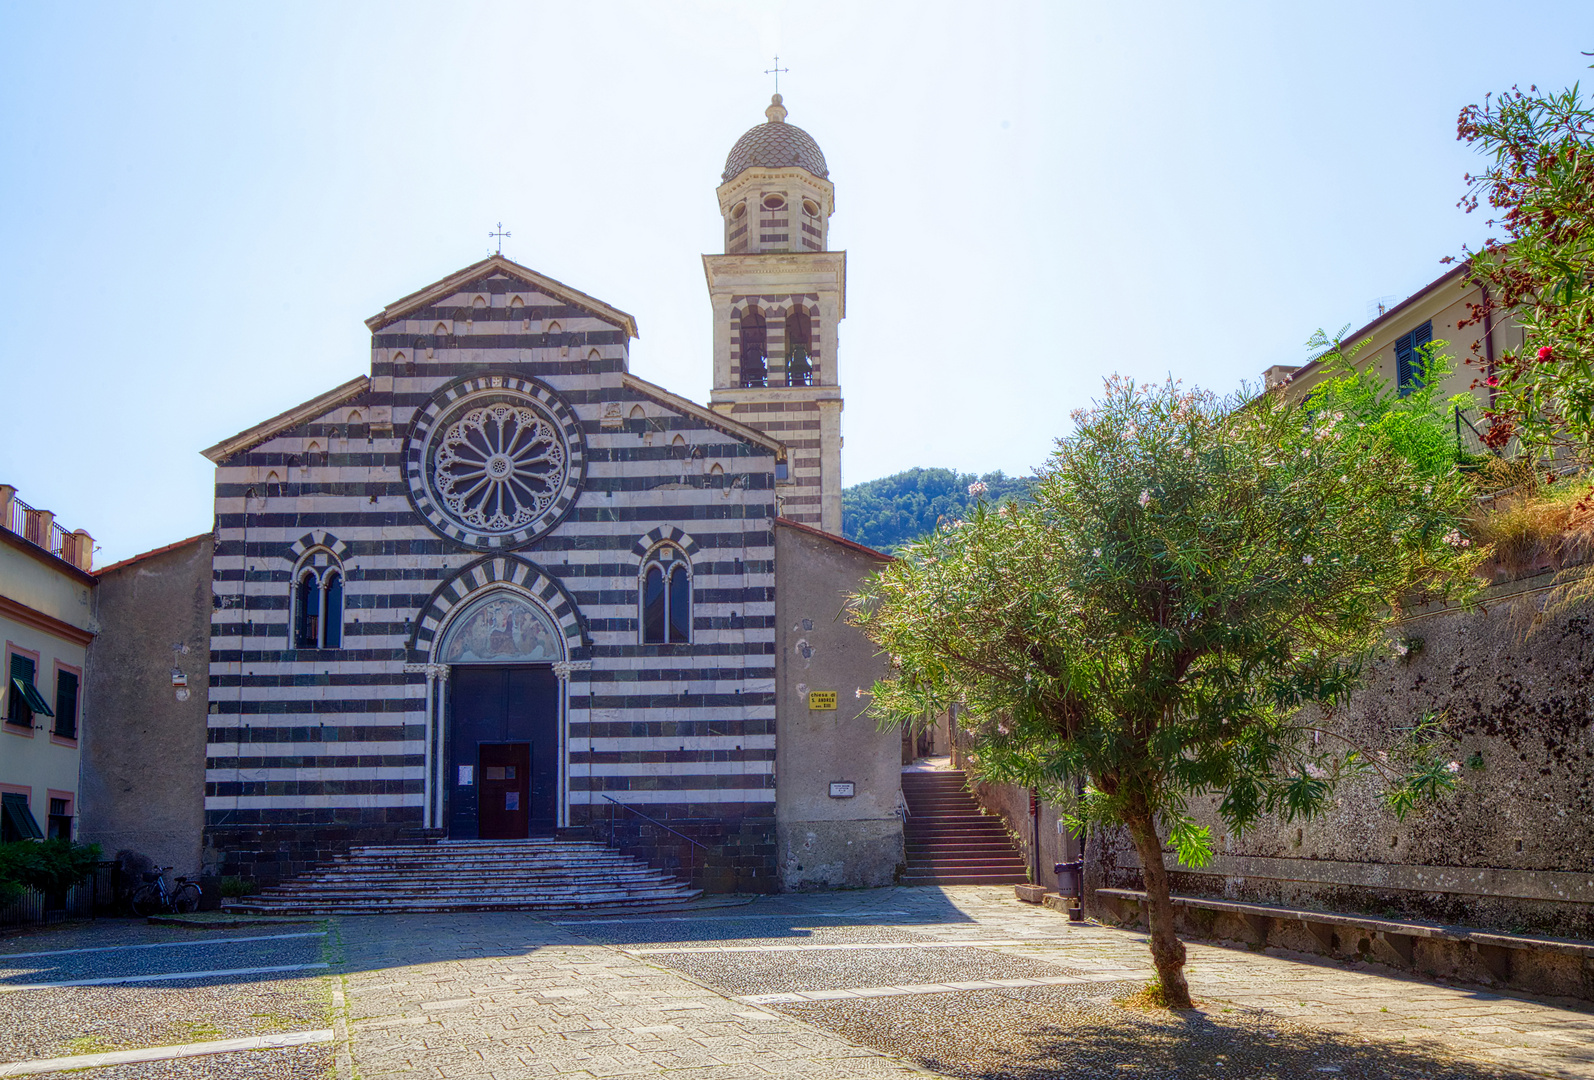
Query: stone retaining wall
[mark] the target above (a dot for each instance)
(1512, 849)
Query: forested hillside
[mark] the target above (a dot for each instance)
(890, 511)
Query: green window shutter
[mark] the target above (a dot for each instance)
(26, 701)
(16, 819)
(20, 677)
(66, 690)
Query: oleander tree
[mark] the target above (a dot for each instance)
(1538, 185)
(1190, 573)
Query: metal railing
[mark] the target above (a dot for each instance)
(614, 842)
(40, 528)
(95, 895)
(1469, 440)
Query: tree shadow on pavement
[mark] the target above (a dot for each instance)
(1077, 1032)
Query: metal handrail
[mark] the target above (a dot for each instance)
(644, 817)
(651, 821)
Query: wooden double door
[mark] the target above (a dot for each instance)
(503, 752)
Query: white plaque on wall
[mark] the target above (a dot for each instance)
(467, 775)
(843, 790)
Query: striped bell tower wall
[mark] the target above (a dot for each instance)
(805, 418)
(314, 749)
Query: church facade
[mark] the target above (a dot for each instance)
(501, 587)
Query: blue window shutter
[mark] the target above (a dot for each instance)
(1408, 359)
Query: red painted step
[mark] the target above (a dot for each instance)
(950, 841)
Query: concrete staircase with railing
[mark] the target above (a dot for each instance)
(470, 875)
(949, 841)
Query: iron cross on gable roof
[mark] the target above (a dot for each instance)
(500, 236)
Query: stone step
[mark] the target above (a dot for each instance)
(526, 888)
(497, 873)
(402, 905)
(472, 875)
(384, 896)
(949, 838)
(359, 905)
(478, 865)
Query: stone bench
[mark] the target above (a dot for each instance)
(1540, 964)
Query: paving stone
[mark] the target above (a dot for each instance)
(563, 999)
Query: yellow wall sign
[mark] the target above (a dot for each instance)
(821, 699)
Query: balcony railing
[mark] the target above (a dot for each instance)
(38, 527)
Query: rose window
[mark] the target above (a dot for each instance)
(497, 468)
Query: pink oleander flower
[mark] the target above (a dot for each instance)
(1546, 354)
(977, 489)
(1453, 767)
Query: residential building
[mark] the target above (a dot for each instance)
(1396, 334)
(47, 623)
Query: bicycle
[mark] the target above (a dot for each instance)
(153, 898)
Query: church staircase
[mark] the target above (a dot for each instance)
(471, 875)
(949, 840)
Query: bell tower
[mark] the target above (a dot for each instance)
(778, 294)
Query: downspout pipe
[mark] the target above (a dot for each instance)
(1488, 340)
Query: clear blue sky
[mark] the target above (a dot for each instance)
(201, 203)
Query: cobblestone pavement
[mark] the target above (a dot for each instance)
(108, 985)
(962, 982)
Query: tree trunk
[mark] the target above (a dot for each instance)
(1167, 951)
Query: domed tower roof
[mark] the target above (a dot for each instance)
(775, 144)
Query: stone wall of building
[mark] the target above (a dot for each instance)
(1512, 849)
(143, 771)
(317, 748)
(827, 838)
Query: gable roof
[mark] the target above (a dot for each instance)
(102, 571)
(839, 541)
(1388, 315)
(708, 416)
(497, 264)
(253, 437)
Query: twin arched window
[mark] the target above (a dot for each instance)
(799, 346)
(666, 600)
(754, 351)
(318, 602)
(755, 348)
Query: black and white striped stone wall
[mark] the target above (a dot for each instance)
(313, 749)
